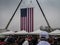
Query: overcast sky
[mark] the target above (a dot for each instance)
(51, 9)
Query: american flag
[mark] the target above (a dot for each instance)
(27, 19)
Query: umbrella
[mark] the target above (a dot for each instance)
(56, 32)
(8, 33)
(21, 32)
(37, 32)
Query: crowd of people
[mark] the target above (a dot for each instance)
(21, 40)
(28, 40)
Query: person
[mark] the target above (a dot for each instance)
(43, 37)
(6, 39)
(51, 40)
(30, 40)
(34, 40)
(21, 40)
(10, 40)
(25, 42)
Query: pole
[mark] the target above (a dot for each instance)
(13, 15)
(44, 16)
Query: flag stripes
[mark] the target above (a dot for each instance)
(27, 19)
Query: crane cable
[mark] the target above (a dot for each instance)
(44, 16)
(13, 14)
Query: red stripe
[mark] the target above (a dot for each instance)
(24, 23)
(32, 20)
(28, 18)
(21, 23)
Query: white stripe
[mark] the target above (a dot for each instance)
(27, 21)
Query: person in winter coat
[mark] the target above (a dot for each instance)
(26, 42)
(44, 37)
